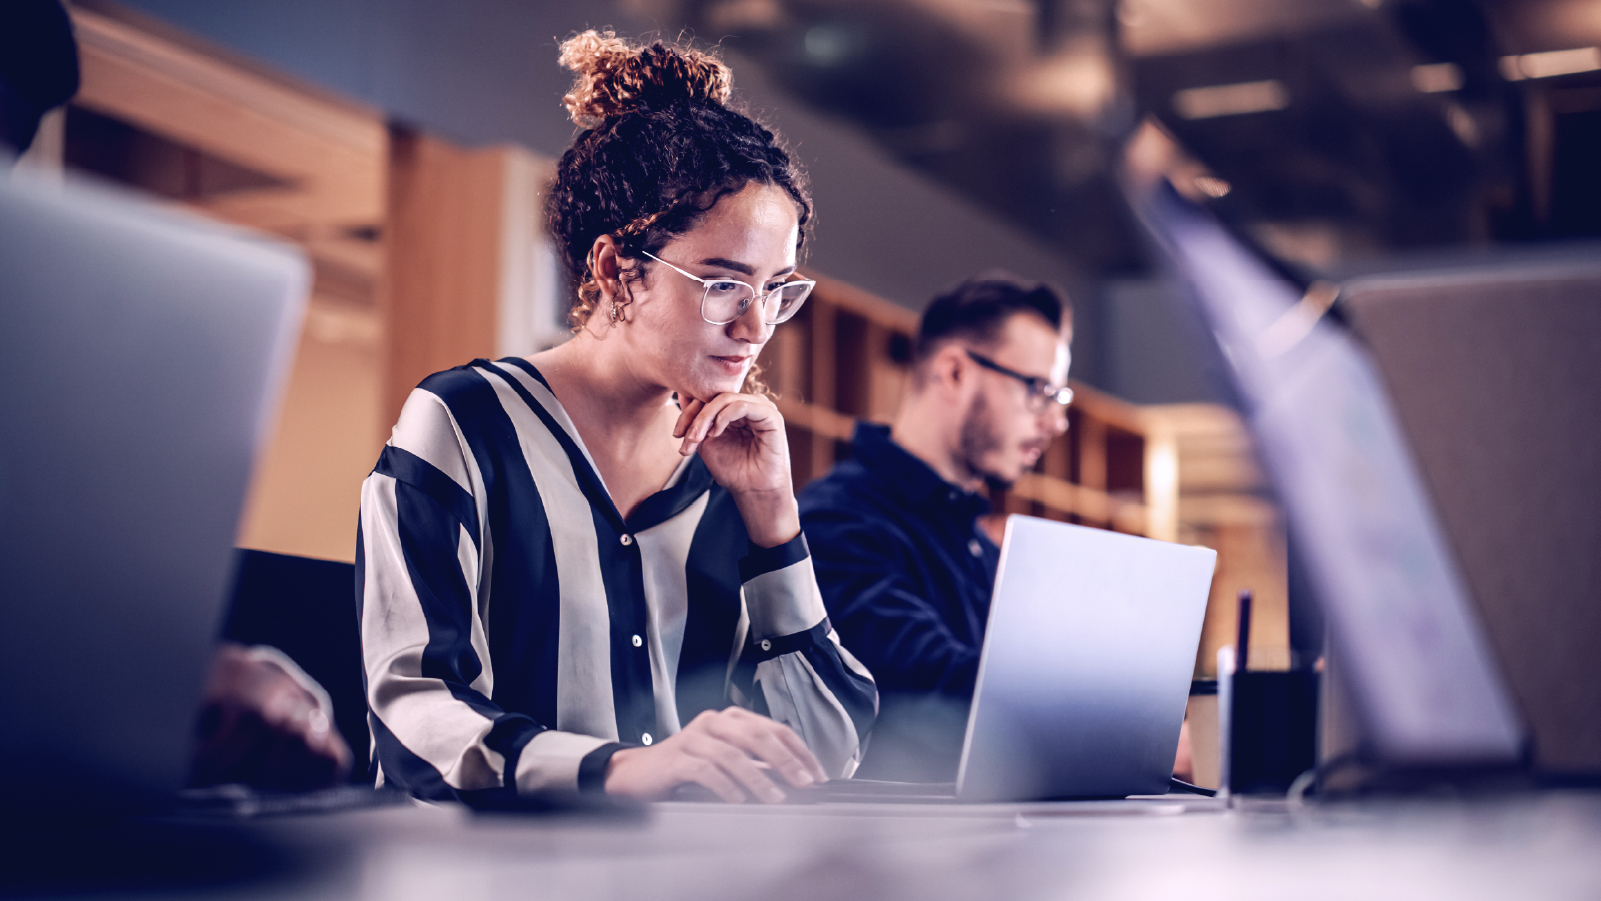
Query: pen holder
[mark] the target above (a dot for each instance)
(1267, 727)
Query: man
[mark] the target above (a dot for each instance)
(905, 568)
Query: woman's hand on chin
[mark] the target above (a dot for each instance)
(733, 752)
(741, 439)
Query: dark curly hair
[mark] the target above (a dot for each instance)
(660, 146)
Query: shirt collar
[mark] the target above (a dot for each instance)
(906, 474)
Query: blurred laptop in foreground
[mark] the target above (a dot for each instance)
(141, 357)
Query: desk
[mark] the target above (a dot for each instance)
(1533, 846)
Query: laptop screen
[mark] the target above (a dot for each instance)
(1411, 652)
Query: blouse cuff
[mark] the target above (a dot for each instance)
(592, 769)
(762, 560)
(781, 591)
(554, 760)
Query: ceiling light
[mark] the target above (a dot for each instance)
(1231, 99)
(1551, 63)
(1437, 77)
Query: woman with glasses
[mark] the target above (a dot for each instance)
(584, 569)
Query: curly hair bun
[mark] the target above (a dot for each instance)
(615, 77)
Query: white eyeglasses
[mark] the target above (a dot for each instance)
(727, 299)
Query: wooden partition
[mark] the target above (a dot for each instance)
(418, 246)
(193, 125)
(462, 227)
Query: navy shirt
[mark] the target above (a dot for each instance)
(906, 575)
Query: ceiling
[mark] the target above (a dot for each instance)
(1329, 130)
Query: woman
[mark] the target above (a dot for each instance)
(571, 566)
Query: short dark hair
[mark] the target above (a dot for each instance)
(978, 308)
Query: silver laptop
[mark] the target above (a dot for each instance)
(1086, 664)
(1084, 675)
(140, 355)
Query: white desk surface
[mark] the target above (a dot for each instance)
(1526, 846)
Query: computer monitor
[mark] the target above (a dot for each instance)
(1490, 361)
(1425, 687)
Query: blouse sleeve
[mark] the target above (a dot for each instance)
(791, 665)
(419, 574)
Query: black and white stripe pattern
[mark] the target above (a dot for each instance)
(513, 623)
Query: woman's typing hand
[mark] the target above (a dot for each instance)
(732, 752)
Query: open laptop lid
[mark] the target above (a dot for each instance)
(1411, 652)
(1086, 664)
(141, 354)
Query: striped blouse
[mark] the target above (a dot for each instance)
(516, 629)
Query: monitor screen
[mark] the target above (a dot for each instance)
(1409, 648)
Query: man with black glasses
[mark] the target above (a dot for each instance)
(904, 564)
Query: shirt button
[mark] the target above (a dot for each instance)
(952, 496)
(638, 641)
(646, 739)
(627, 540)
(974, 548)
(766, 645)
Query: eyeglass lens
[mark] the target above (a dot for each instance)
(727, 300)
(1046, 398)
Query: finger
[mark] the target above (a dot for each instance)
(757, 414)
(704, 772)
(729, 415)
(325, 741)
(756, 737)
(686, 415)
(284, 703)
(738, 409)
(735, 762)
(707, 415)
(787, 736)
(797, 747)
(703, 413)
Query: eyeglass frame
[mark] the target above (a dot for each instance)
(754, 294)
(1039, 390)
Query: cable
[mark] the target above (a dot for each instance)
(1181, 785)
(1313, 778)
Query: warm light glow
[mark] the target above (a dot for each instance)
(1551, 63)
(1231, 99)
(1161, 487)
(1212, 186)
(1437, 77)
(1462, 124)
(1074, 84)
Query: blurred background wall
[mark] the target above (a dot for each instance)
(404, 145)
